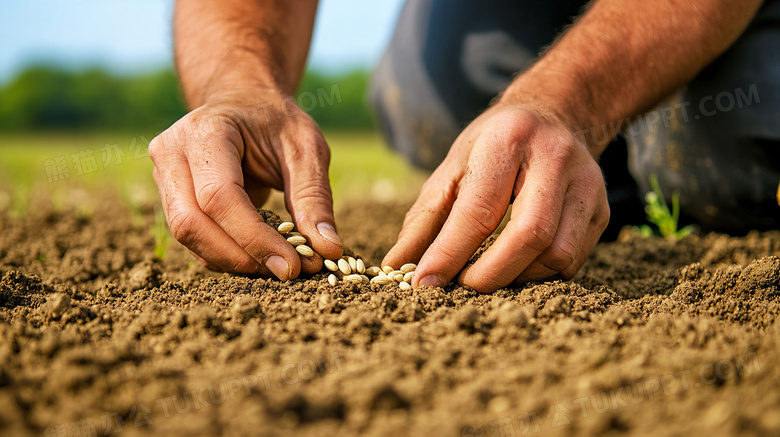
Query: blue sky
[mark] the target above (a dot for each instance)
(135, 35)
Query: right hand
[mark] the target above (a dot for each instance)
(218, 163)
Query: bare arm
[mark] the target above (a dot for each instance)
(231, 45)
(619, 59)
(622, 57)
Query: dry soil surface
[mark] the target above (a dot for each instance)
(652, 338)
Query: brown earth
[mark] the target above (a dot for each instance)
(652, 338)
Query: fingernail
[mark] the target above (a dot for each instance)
(328, 232)
(278, 266)
(431, 281)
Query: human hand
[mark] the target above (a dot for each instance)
(219, 162)
(511, 154)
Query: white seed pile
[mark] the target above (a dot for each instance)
(297, 240)
(350, 269)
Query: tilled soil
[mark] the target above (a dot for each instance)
(652, 338)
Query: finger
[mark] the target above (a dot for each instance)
(308, 195)
(587, 218)
(596, 227)
(538, 271)
(530, 232)
(569, 242)
(311, 265)
(424, 220)
(218, 185)
(191, 227)
(482, 200)
(199, 259)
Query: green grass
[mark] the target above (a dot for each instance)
(361, 165)
(28, 167)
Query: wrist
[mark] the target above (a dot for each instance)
(560, 96)
(237, 89)
(231, 78)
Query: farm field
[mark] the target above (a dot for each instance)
(108, 327)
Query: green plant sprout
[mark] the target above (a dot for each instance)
(658, 214)
(161, 234)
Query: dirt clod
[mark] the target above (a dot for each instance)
(57, 304)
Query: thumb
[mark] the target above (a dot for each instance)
(309, 198)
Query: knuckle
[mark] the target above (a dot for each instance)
(244, 264)
(539, 233)
(312, 191)
(569, 272)
(183, 227)
(255, 245)
(208, 197)
(560, 256)
(482, 215)
(309, 145)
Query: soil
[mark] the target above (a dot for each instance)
(651, 338)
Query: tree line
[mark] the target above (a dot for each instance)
(45, 97)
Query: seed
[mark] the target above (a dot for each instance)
(373, 271)
(361, 266)
(295, 233)
(304, 250)
(404, 285)
(352, 263)
(344, 266)
(387, 269)
(353, 278)
(286, 227)
(408, 277)
(365, 279)
(332, 280)
(330, 265)
(394, 273)
(296, 240)
(381, 280)
(398, 278)
(406, 268)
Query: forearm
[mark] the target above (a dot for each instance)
(232, 46)
(624, 56)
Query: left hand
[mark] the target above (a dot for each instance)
(512, 154)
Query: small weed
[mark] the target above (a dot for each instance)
(161, 234)
(658, 214)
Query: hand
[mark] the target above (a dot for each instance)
(511, 154)
(216, 164)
